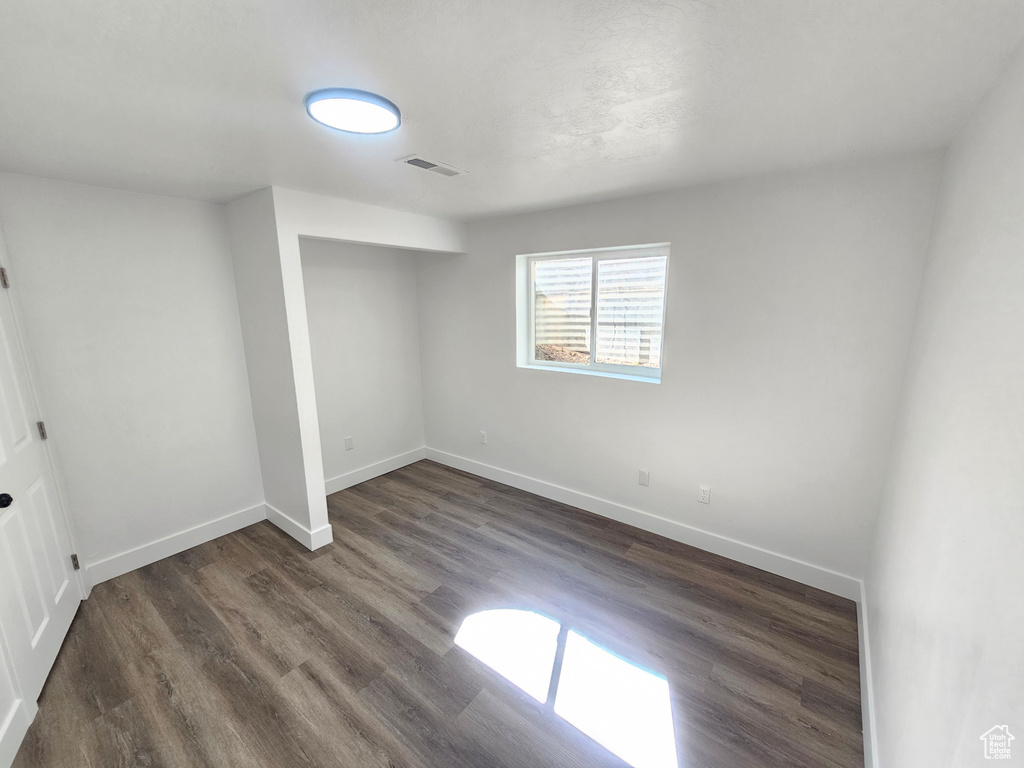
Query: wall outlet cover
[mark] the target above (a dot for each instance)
(704, 494)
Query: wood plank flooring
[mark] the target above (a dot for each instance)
(251, 651)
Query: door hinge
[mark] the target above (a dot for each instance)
(42, 429)
(74, 563)
(3, 278)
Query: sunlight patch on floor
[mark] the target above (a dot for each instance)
(518, 645)
(624, 708)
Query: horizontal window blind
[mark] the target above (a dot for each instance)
(561, 304)
(630, 308)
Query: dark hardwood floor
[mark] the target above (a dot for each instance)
(251, 651)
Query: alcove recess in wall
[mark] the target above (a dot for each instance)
(362, 309)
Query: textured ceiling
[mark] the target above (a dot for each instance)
(544, 102)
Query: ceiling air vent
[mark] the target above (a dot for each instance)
(433, 166)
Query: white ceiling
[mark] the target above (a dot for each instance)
(544, 102)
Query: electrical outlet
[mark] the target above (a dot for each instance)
(483, 437)
(645, 478)
(349, 444)
(704, 494)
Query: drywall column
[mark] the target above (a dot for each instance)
(267, 293)
(265, 230)
(944, 587)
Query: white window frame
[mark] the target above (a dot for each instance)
(525, 325)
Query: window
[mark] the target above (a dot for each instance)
(600, 312)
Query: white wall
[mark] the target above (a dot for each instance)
(364, 332)
(790, 308)
(945, 587)
(129, 303)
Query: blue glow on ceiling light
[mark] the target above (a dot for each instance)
(353, 111)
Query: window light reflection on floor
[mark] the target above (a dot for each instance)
(518, 645)
(622, 707)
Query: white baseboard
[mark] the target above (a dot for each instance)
(781, 565)
(867, 686)
(357, 476)
(123, 562)
(311, 539)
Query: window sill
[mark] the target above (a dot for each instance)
(590, 372)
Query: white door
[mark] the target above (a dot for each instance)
(38, 591)
(16, 714)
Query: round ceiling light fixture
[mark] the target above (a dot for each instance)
(353, 111)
